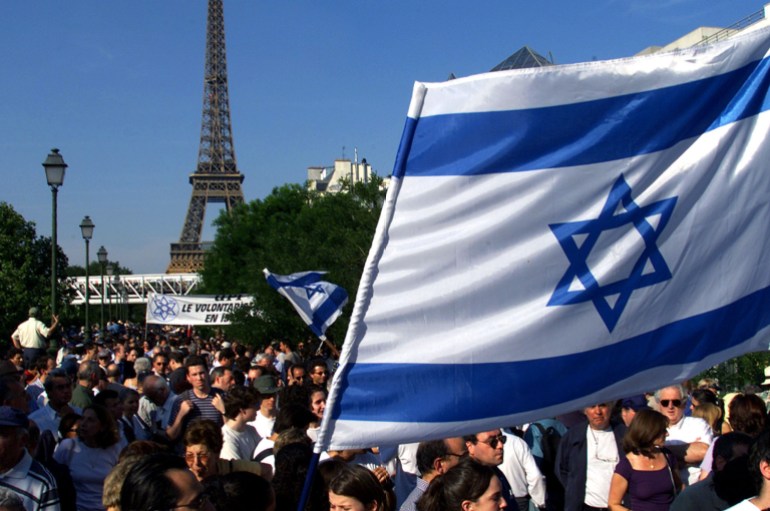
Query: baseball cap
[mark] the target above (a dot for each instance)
(13, 417)
(635, 403)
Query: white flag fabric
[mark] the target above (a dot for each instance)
(210, 310)
(560, 236)
(318, 303)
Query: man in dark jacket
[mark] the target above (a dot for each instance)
(587, 457)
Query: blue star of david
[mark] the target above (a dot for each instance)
(311, 290)
(579, 238)
(164, 308)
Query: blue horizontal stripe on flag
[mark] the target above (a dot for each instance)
(327, 309)
(433, 393)
(582, 133)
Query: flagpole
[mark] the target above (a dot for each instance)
(318, 349)
(308, 481)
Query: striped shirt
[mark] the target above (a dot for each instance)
(203, 408)
(33, 483)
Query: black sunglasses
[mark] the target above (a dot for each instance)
(492, 442)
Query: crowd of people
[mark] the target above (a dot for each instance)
(161, 419)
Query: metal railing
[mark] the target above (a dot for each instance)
(132, 288)
(734, 28)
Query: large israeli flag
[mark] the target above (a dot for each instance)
(559, 236)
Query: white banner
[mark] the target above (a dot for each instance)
(193, 310)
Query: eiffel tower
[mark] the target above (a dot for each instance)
(216, 178)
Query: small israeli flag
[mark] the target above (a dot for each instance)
(318, 303)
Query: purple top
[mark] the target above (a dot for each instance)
(648, 490)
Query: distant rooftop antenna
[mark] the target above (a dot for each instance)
(343, 152)
(355, 155)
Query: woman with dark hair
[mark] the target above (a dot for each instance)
(703, 403)
(647, 473)
(356, 488)
(468, 486)
(747, 414)
(699, 396)
(162, 481)
(91, 455)
(317, 404)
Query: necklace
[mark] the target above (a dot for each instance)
(607, 459)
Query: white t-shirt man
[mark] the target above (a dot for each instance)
(603, 456)
(238, 445)
(263, 425)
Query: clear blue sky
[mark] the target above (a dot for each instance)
(118, 85)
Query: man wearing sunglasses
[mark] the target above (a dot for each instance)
(688, 437)
(587, 456)
(487, 448)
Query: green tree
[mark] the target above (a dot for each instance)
(738, 372)
(291, 230)
(25, 271)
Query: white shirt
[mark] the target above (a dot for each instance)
(238, 445)
(31, 334)
(602, 458)
(88, 467)
(46, 418)
(521, 471)
(743, 506)
(263, 425)
(687, 431)
(264, 445)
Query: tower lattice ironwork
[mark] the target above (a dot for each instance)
(216, 178)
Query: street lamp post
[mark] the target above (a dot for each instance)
(102, 255)
(87, 230)
(118, 293)
(109, 283)
(54, 174)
